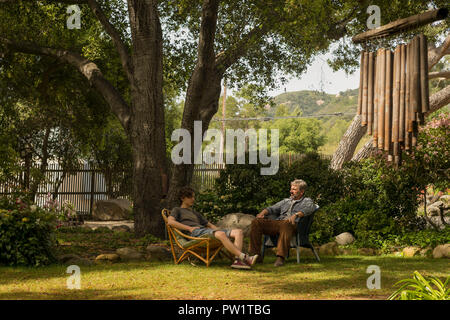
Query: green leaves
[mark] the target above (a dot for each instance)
(420, 288)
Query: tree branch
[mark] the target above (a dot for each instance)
(436, 54)
(439, 74)
(116, 37)
(439, 99)
(89, 69)
(226, 58)
(207, 32)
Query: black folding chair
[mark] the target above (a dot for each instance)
(300, 239)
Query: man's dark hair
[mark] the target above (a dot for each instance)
(185, 192)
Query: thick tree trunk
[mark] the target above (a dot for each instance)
(201, 104)
(348, 143)
(146, 127)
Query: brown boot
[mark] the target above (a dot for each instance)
(279, 262)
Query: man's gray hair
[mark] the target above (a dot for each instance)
(300, 183)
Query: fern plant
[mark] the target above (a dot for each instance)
(419, 288)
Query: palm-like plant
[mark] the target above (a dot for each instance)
(419, 288)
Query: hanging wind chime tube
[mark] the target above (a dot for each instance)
(407, 97)
(424, 74)
(381, 88)
(396, 103)
(370, 89)
(375, 103)
(417, 96)
(401, 129)
(361, 77)
(388, 103)
(365, 88)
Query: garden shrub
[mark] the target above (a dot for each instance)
(26, 233)
(242, 188)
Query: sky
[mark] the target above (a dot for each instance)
(319, 76)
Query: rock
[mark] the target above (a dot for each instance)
(346, 251)
(121, 228)
(79, 262)
(442, 251)
(237, 221)
(304, 252)
(411, 251)
(112, 257)
(345, 238)
(158, 253)
(329, 249)
(66, 257)
(111, 210)
(446, 200)
(367, 252)
(433, 211)
(129, 254)
(438, 204)
(427, 252)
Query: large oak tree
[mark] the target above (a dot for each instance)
(190, 45)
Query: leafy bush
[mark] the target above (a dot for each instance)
(423, 238)
(26, 233)
(242, 188)
(420, 288)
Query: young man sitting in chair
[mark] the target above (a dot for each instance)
(187, 219)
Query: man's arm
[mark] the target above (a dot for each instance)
(262, 214)
(174, 223)
(211, 226)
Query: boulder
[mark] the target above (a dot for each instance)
(121, 228)
(66, 257)
(446, 200)
(345, 238)
(304, 252)
(111, 210)
(158, 253)
(329, 249)
(79, 262)
(237, 221)
(367, 252)
(433, 211)
(129, 254)
(427, 252)
(111, 257)
(442, 251)
(411, 251)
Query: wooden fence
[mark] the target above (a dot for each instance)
(83, 186)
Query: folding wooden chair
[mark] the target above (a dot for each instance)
(204, 248)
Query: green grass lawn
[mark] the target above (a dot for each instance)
(339, 277)
(342, 277)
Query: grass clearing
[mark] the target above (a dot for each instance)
(342, 277)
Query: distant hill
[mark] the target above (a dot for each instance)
(314, 103)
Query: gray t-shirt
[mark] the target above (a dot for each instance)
(189, 217)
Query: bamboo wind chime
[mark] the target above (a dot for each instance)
(394, 95)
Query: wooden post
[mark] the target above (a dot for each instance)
(388, 103)
(92, 191)
(381, 107)
(370, 85)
